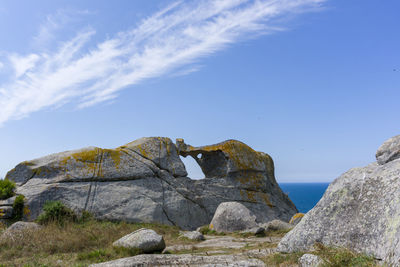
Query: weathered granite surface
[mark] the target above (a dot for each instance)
(182, 260)
(360, 210)
(145, 181)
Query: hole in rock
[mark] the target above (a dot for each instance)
(193, 169)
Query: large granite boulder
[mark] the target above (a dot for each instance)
(231, 217)
(146, 181)
(360, 210)
(146, 240)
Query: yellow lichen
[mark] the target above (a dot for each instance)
(26, 211)
(296, 216)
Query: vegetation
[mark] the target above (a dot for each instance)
(56, 212)
(18, 207)
(205, 230)
(6, 189)
(70, 240)
(332, 257)
(75, 243)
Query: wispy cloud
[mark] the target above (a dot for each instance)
(171, 39)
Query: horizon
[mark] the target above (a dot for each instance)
(313, 83)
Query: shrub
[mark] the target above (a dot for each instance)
(18, 207)
(6, 188)
(57, 212)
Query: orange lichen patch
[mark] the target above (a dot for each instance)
(252, 180)
(115, 154)
(243, 156)
(296, 216)
(92, 159)
(265, 197)
(26, 211)
(27, 163)
(254, 196)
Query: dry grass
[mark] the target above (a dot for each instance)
(75, 244)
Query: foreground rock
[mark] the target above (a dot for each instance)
(19, 228)
(145, 181)
(310, 260)
(146, 240)
(231, 217)
(360, 210)
(181, 260)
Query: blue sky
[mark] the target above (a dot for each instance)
(313, 83)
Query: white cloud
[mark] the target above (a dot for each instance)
(171, 39)
(22, 64)
(1, 65)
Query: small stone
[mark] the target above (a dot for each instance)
(310, 260)
(193, 235)
(143, 239)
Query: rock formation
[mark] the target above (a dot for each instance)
(145, 181)
(360, 210)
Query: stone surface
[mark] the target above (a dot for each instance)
(277, 225)
(296, 219)
(225, 242)
(146, 240)
(145, 181)
(360, 210)
(310, 260)
(181, 260)
(193, 235)
(389, 150)
(232, 217)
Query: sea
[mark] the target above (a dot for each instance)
(304, 195)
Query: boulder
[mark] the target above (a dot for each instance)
(360, 210)
(277, 225)
(146, 181)
(232, 217)
(310, 260)
(193, 235)
(19, 228)
(389, 150)
(182, 260)
(146, 240)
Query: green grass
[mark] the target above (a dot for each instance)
(76, 243)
